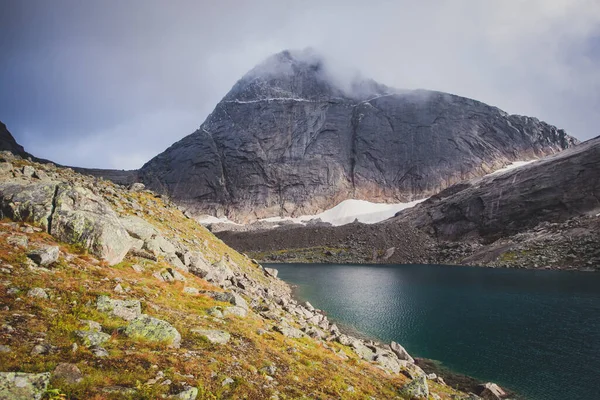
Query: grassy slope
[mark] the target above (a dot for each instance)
(305, 367)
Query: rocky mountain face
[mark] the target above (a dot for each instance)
(8, 142)
(289, 139)
(541, 215)
(113, 293)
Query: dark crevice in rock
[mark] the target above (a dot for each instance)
(53, 209)
(354, 123)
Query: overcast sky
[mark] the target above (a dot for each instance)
(112, 83)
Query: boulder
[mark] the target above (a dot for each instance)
(27, 202)
(271, 272)
(137, 187)
(23, 386)
(83, 218)
(213, 336)
(169, 275)
(401, 352)
(126, 309)
(92, 338)
(388, 361)
(289, 331)
(68, 372)
(138, 228)
(235, 311)
(363, 351)
(416, 389)
(229, 297)
(153, 329)
(45, 255)
(18, 240)
(491, 391)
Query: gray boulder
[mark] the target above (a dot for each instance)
(31, 203)
(416, 389)
(82, 217)
(126, 309)
(70, 373)
(23, 386)
(153, 329)
(271, 272)
(491, 391)
(229, 297)
(213, 336)
(138, 228)
(44, 256)
(289, 331)
(92, 338)
(401, 352)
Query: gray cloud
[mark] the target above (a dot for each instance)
(113, 83)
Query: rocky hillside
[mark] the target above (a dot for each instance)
(542, 215)
(112, 293)
(289, 139)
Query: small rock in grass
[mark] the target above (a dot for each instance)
(44, 256)
(38, 293)
(99, 351)
(92, 338)
(68, 372)
(189, 393)
(212, 335)
(227, 381)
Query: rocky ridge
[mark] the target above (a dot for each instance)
(114, 293)
(290, 140)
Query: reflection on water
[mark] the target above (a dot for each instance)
(536, 332)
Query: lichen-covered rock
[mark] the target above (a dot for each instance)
(126, 309)
(416, 389)
(92, 338)
(212, 335)
(44, 256)
(271, 272)
(189, 393)
(28, 202)
(83, 218)
(23, 386)
(153, 329)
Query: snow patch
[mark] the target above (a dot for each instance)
(511, 166)
(349, 210)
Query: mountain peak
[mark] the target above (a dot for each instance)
(302, 75)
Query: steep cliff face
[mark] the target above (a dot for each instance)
(289, 139)
(541, 215)
(8, 142)
(554, 189)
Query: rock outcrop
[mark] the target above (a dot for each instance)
(287, 140)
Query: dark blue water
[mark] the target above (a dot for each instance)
(535, 332)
